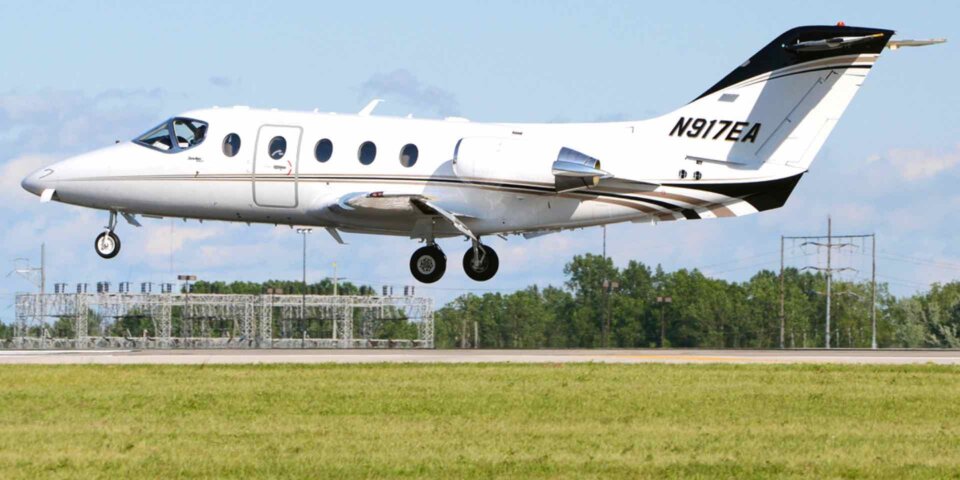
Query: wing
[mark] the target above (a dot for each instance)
(399, 213)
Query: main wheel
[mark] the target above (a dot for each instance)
(107, 245)
(485, 267)
(428, 264)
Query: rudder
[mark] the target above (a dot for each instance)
(779, 106)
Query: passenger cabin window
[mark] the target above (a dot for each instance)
(278, 148)
(231, 144)
(323, 150)
(367, 153)
(408, 155)
(174, 135)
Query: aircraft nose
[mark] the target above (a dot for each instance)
(35, 183)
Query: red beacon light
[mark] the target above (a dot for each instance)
(841, 24)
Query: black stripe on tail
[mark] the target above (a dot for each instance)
(783, 51)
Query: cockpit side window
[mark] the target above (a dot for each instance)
(158, 138)
(174, 135)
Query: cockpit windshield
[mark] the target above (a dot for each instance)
(174, 135)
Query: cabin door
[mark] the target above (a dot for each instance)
(275, 166)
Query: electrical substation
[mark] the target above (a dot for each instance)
(169, 320)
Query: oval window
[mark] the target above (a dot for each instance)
(408, 155)
(367, 153)
(231, 144)
(278, 148)
(324, 150)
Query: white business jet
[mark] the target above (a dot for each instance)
(738, 148)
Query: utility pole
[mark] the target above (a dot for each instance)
(608, 288)
(829, 276)
(663, 301)
(783, 319)
(873, 296)
(335, 279)
(36, 276)
(303, 300)
(43, 280)
(43, 268)
(604, 243)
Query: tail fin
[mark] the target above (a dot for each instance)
(779, 106)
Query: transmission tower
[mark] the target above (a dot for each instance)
(830, 242)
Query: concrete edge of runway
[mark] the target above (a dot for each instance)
(683, 356)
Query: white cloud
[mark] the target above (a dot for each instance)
(915, 164)
(72, 121)
(853, 214)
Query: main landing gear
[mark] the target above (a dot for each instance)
(480, 262)
(429, 263)
(107, 243)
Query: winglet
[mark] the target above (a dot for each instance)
(370, 107)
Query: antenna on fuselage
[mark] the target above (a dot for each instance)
(370, 107)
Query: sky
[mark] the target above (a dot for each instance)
(80, 75)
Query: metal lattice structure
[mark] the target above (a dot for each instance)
(129, 320)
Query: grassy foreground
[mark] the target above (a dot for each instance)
(462, 421)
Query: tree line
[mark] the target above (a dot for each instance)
(639, 307)
(601, 305)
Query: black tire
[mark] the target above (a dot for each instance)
(104, 249)
(488, 267)
(425, 258)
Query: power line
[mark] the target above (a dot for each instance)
(904, 282)
(922, 262)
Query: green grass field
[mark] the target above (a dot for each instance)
(463, 421)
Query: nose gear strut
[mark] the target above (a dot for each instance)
(107, 244)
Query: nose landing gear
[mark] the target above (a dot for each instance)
(107, 244)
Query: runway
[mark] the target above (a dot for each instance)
(211, 357)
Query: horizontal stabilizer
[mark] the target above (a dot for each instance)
(896, 44)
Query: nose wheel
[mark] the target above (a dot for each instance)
(428, 264)
(107, 244)
(480, 262)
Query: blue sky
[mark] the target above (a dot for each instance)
(78, 76)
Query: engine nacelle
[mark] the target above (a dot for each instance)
(504, 160)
